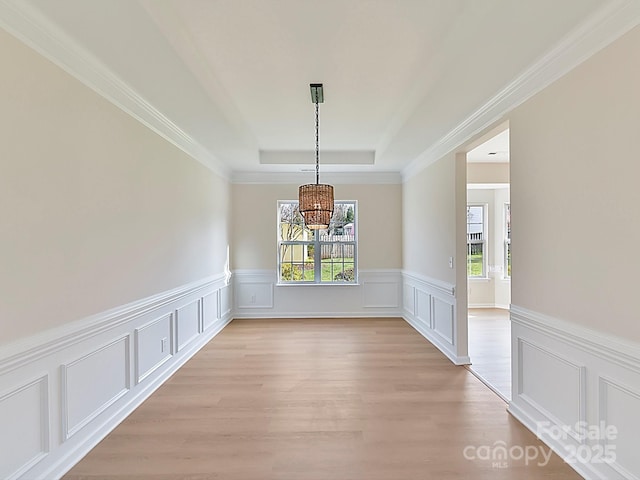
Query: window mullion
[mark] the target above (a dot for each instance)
(317, 257)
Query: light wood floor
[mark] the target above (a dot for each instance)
(313, 399)
(490, 347)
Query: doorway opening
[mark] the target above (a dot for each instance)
(489, 262)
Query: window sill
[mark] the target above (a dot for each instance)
(479, 279)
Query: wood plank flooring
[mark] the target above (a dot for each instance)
(490, 347)
(316, 399)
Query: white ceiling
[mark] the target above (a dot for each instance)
(494, 150)
(404, 80)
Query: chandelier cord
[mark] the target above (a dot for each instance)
(317, 143)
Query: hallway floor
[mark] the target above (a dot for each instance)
(490, 348)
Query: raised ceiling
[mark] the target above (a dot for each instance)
(405, 81)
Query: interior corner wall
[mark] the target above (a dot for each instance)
(97, 210)
(574, 239)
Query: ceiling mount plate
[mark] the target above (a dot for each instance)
(317, 95)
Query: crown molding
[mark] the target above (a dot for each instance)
(299, 178)
(607, 24)
(27, 24)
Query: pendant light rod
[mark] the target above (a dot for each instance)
(317, 97)
(317, 146)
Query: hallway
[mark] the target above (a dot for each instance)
(490, 348)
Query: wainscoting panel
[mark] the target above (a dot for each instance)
(209, 310)
(409, 298)
(94, 382)
(154, 345)
(225, 301)
(559, 393)
(254, 295)
(442, 318)
(24, 416)
(620, 407)
(258, 295)
(187, 323)
(435, 314)
(423, 307)
(63, 390)
(381, 293)
(579, 391)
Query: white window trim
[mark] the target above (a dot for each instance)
(485, 239)
(318, 243)
(506, 241)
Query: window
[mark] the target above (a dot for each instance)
(317, 256)
(476, 241)
(507, 240)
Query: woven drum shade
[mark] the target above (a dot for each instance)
(316, 204)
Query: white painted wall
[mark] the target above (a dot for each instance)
(575, 230)
(97, 210)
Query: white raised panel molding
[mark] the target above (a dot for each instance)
(225, 301)
(24, 416)
(378, 293)
(153, 345)
(381, 293)
(93, 383)
(423, 307)
(409, 298)
(619, 407)
(255, 295)
(564, 373)
(434, 316)
(442, 318)
(552, 384)
(83, 375)
(187, 323)
(210, 313)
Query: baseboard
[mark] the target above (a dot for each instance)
(438, 343)
(481, 306)
(578, 390)
(65, 389)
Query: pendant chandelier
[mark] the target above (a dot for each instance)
(316, 199)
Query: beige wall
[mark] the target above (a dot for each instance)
(574, 194)
(487, 173)
(255, 229)
(429, 219)
(97, 210)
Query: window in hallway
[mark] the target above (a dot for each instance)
(476, 241)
